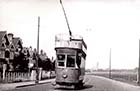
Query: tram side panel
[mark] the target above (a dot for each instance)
(81, 64)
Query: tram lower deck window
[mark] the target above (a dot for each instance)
(61, 63)
(61, 59)
(70, 61)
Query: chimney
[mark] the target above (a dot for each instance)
(10, 36)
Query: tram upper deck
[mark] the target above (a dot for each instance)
(73, 42)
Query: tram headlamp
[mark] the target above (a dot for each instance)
(64, 76)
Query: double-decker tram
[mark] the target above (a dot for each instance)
(70, 60)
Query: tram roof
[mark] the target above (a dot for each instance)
(80, 40)
(74, 42)
(64, 37)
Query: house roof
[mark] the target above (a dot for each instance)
(16, 40)
(2, 34)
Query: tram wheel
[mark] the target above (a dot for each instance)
(76, 86)
(79, 85)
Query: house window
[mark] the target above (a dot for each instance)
(7, 54)
(3, 45)
(12, 47)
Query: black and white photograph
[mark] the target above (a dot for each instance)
(69, 45)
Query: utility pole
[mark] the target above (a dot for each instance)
(110, 64)
(38, 35)
(97, 66)
(138, 77)
(37, 70)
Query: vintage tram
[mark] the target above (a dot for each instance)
(70, 60)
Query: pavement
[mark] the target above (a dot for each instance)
(8, 86)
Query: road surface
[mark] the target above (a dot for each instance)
(92, 83)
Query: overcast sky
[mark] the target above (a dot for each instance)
(104, 24)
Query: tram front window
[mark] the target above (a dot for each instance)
(61, 59)
(70, 61)
(61, 63)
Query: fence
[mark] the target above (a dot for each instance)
(15, 76)
(25, 76)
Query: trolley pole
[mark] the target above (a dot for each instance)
(37, 70)
(138, 75)
(110, 64)
(70, 33)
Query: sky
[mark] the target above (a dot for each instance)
(104, 25)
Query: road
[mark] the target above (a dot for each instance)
(92, 83)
